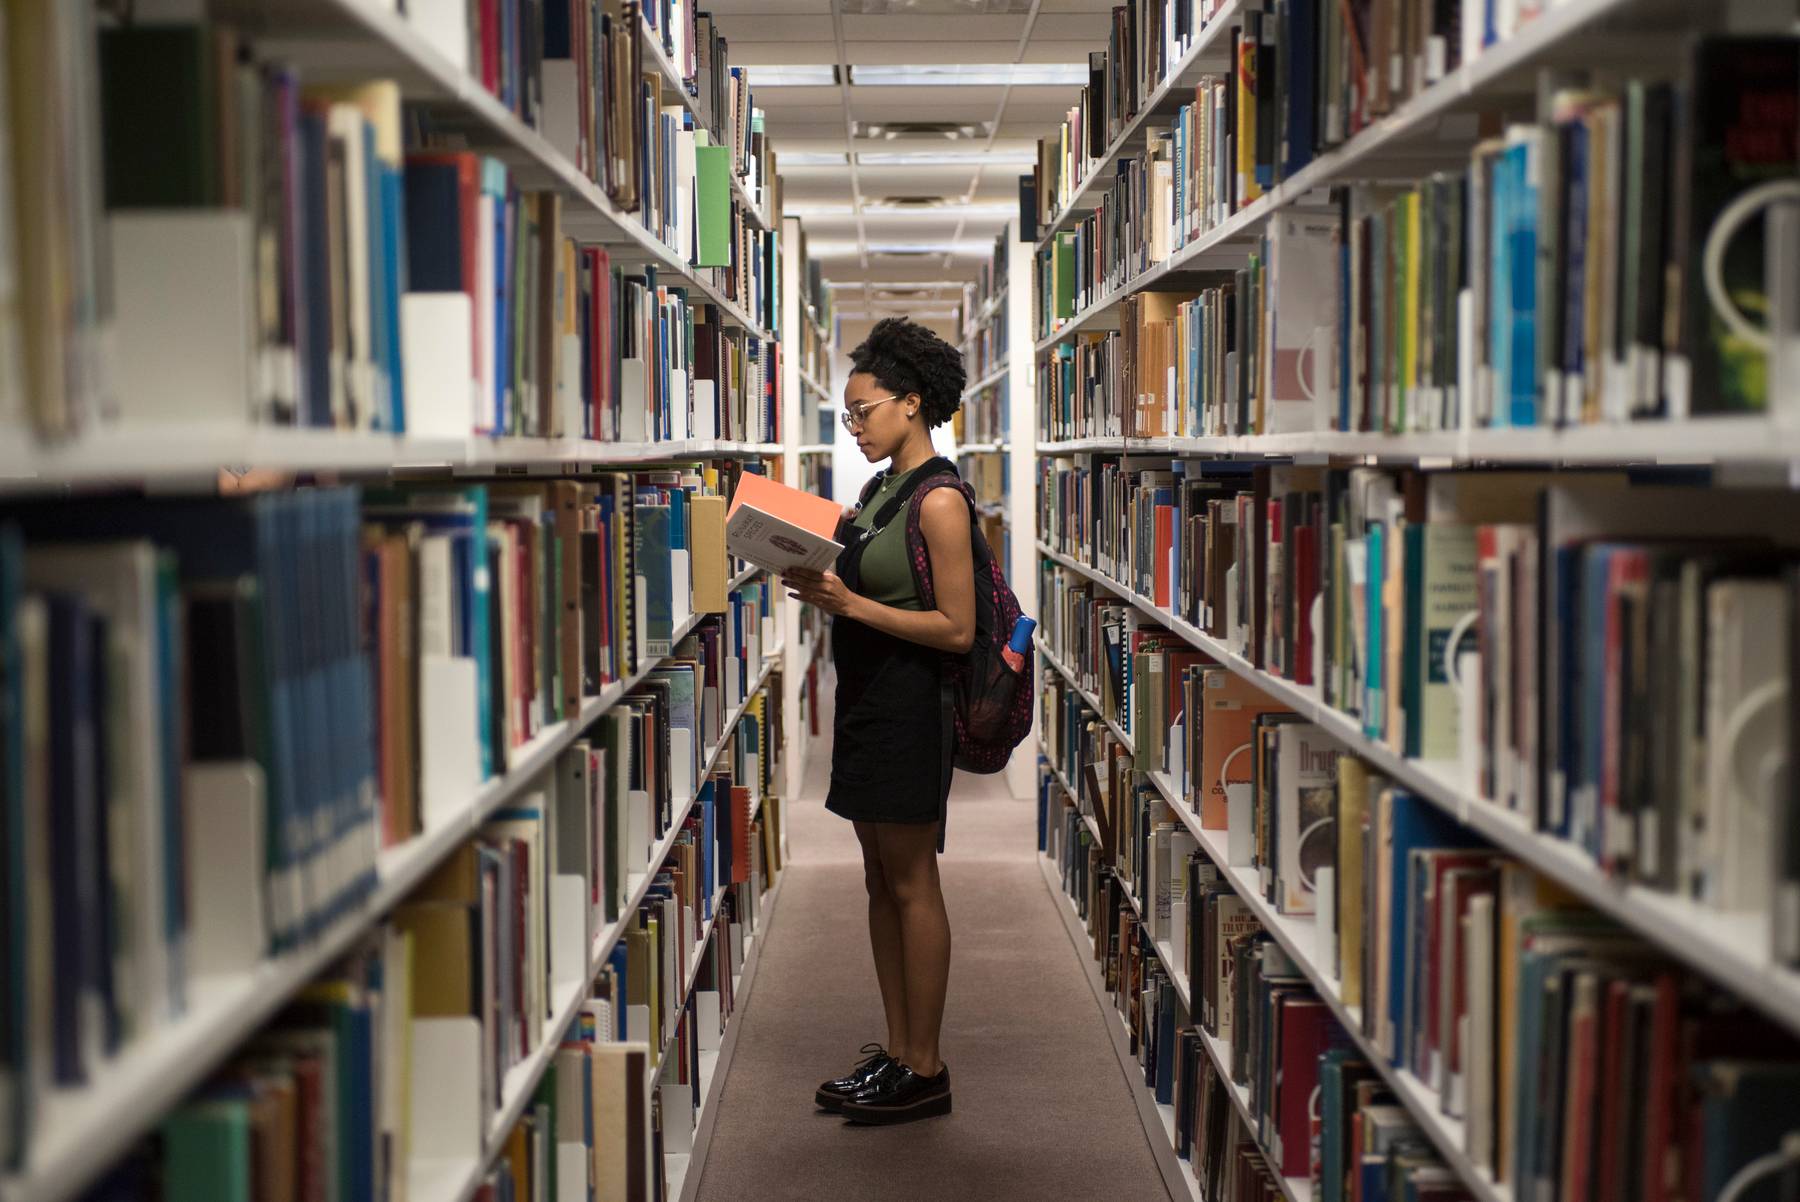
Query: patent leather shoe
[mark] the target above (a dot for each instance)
(875, 1060)
(899, 1097)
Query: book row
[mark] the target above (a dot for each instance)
(408, 1052)
(1556, 279)
(218, 712)
(1431, 958)
(1146, 41)
(1597, 657)
(345, 262)
(985, 415)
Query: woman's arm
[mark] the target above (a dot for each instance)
(944, 521)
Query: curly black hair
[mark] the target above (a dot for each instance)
(904, 357)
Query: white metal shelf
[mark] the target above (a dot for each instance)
(814, 448)
(1093, 702)
(811, 381)
(1299, 938)
(1417, 118)
(173, 452)
(80, 1131)
(1158, 1119)
(1731, 948)
(522, 1078)
(683, 1183)
(988, 381)
(1703, 441)
(980, 448)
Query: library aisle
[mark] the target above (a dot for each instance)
(1042, 1109)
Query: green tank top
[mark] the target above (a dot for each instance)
(886, 573)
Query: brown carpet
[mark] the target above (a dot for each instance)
(1042, 1107)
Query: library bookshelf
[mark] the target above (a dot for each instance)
(1101, 295)
(77, 1133)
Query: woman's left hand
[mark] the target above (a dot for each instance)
(822, 590)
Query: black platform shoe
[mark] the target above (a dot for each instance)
(832, 1094)
(899, 1097)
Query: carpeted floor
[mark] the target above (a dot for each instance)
(1042, 1107)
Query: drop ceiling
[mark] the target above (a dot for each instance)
(855, 164)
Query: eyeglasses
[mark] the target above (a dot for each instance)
(855, 415)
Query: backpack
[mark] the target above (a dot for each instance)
(991, 704)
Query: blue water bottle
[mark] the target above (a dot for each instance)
(1019, 644)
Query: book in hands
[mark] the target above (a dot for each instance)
(781, 528)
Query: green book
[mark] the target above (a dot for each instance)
(712, 205)
(159, 114)
(1065, 274)
(206, 1152)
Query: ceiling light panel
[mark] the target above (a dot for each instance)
(811, 158)
(943, 158)
(966, 75)
(795, 75)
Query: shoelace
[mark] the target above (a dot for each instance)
(870, 1051)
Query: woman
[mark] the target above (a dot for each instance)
(890, 765)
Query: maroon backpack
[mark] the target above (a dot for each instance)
(991, 703)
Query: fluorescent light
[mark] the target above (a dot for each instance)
(795, 76)
(968, 75)
(811, 158)
(950, 210)
(816, 210)
(935, 248)
(943, 158)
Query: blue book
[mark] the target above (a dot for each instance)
(1374, 696)
(1575, 183)
(78, 907)
(1414, 824)
(651, 535)
(1298, 42)
(393, 269)
(433, 200)
(13, 939)
(1521, 264)
(1165, 1045)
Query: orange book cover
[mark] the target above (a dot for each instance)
(803, 509)
(1229, 709)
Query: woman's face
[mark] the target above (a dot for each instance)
(880, 419)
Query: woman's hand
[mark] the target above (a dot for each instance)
(822, 590)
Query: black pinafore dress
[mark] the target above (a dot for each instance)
(893, 731)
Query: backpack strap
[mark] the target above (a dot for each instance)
(918, 554)
(849, 567)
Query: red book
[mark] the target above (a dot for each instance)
(1437, 942)
(740, 834)
(309, 1135)
(1665, 1016)
(1578, 1106)
(1612, 1059)
(1305, 1034)
(489, 18)
(1163, 593)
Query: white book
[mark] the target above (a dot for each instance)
(777, 545)
(1746, 754)
(346, 125)
(118, 582)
